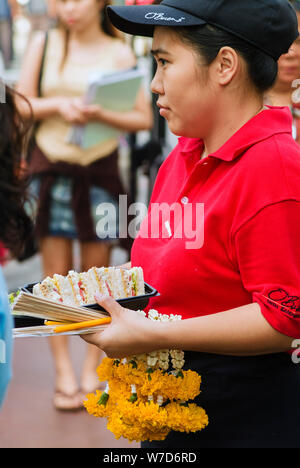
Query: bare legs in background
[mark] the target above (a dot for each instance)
(6, 47)
(57, 257)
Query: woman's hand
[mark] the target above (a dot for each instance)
(72, 110)
(93, 112)
(75, 111)
(129, 332)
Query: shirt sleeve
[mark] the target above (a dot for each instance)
(267, 249)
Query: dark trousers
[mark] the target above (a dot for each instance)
(251, 402)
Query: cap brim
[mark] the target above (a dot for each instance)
(140, 20)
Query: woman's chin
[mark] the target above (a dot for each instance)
(181, 132)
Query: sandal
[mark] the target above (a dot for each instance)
(84, 393)
(63, 401)
(91, 385)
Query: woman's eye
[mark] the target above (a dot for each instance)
(162, 61)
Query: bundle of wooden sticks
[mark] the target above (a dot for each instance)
(59, 318)
(62, 301)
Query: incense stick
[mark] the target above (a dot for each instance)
(80, 325)
(34, 306)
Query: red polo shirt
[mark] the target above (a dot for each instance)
(242, 205)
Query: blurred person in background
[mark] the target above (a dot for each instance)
(15, 223)
(41, 14)
(68, 181)
(3, 254)
(284, 93)
(8, 9)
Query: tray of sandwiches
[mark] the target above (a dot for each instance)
(42, 308)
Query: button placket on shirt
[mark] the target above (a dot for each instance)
(184, 200)
(199, 171)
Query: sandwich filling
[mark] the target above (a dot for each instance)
(78, 289)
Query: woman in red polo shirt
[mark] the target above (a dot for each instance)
(230, 263)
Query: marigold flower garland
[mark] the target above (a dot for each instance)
(143, 399)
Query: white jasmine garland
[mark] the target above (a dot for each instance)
(146, 403)
(163, 359)
(139, 358)
(153, 314)
(151, 361)
(164, 318)
(173, 318)
(160, 358)
(159, 400)
(177, 359)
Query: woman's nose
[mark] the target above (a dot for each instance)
(291, 52)
(156, 84)
(70, 5)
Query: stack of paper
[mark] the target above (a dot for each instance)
(117, 92)
(48, 330)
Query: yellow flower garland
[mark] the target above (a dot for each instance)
(142, 401)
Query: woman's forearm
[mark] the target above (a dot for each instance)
(241, 332)
(238, 332)
(41, 108)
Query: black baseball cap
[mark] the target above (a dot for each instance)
(269, 25)
(296, 4)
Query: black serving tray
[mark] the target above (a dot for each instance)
(22, 321)
(133, 303)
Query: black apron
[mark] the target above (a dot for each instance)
(251, 402)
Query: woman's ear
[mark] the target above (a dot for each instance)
(102, 5)
(227, 63)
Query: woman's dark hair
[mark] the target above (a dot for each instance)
(208, 40)
(15, 224)
(106, 24)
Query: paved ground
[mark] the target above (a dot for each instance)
(28, 418)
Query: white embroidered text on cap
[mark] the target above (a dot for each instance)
(161, 16)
